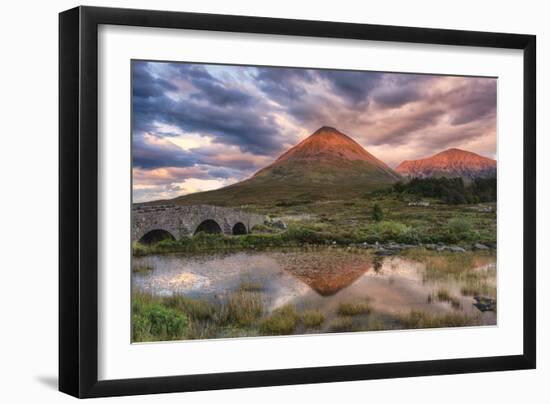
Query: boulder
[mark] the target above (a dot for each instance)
(279, 224)
(479, 246)
(367, 245)
(484, 303)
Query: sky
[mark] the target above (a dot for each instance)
(198, 127)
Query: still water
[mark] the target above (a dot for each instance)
(324, 279)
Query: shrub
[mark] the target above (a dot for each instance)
(263, 228)
(208, 238)
(353, 309)
(312, 318)
(282, 321)
(460, 229)
(301, 235)
(242, 308)
(139, 249)
(478, 287)
(443, 295)
(341, 324)
(157, 322)
(377, 213)
(450, 190)
(416, 319)
(484, 190)
(396, 231)
(194, 308)
(167, 243)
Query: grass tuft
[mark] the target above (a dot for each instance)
(249, 286)
(152, 321)
(282, 321)
(194, 308)
(417, 319)
(141, 268)
(353, 308)
(443, 295)
(313, 318)
(241, 309)
(341, 324)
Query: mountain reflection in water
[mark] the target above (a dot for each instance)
(326, 274)
(322, 280)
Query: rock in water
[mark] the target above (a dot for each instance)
(484, 303)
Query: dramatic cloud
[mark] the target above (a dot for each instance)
(152, 151)
(198, 127)
(355, 87)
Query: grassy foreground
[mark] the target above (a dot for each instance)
(242, 313)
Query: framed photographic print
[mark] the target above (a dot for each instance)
(251, 201)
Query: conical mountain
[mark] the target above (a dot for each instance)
(327, 165)
(449, 163)
(328, 147)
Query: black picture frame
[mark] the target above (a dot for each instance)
(78, 201)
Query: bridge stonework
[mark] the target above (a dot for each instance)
(182, 221)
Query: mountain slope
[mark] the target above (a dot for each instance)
(326, 165)
(327, 148)
(449, 163)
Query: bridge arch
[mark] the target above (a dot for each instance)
(208, 226)
(155, 235)
(239, 228)
(183, 221)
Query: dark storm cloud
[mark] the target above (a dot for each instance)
(439, 111)
(240, 127)
(394, 99)
(230, 115)
(398, 90)
(284, 84)
(313, 98)
(210, 89)
(399, 132)
(289, 87)
(473, 101)
(354, 86)
(146, 86)
(150, 151)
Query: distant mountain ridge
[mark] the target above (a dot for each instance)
(449, 163)
(329, 165)
(326, 165)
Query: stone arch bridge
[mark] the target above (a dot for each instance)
(180, 221)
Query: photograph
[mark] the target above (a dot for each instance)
(274, 201)
(245, 202)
